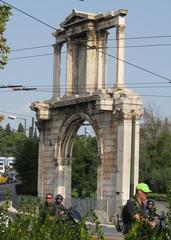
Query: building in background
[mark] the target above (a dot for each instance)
(6, 164)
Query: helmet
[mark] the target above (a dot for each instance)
(59, 196)
(150, 202)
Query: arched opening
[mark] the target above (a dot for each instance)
(85, 162)
(73, 131)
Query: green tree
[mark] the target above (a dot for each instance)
(27, 165)
(20, 128)
(155, 151)
(84, 167)
(5, 12)
(8, 142)
(8, 128)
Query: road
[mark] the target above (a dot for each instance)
(111, 233)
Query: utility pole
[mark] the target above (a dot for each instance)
(31, 132)
(85, 136)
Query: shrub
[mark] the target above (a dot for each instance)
(27, 225)
(22, 189)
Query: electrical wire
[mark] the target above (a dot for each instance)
(48, 25)
(76, 92)
(136, 66)
(38, 20)
(129, 63)
(30, 48)
(82, 86)
(13, 113)
(127, 46)
(31, 56)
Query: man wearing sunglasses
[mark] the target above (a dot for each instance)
(47, 209)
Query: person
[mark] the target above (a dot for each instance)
(135, 208)
(48, 208)
(151, 210)
(60, 209)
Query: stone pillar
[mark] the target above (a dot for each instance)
(91, 62)
(63, 177)
(106, 173)
(124, 158)
(120, 28)
(56, 71)
(40, 184)
(101, 60)
(69, 69)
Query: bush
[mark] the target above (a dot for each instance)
(158, 196)
(22, 189)
(28, 225)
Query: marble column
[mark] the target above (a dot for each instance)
(56, 71)
(120, 29)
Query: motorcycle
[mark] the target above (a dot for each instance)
(72, 213)
(162, 226)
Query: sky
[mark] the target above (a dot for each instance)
(147, 51)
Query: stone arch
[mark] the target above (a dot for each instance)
(114, 113)
(68, 131)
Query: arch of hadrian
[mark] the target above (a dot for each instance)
(109, 111)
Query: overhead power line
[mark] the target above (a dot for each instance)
(82, 93)
(129, 63)
(38, 20)
(48, 25)
(134, 65)
(127, 46)
(31, 56)
(20, 114)
(30, 48)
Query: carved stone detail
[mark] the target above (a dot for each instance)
(120, 29)
(63, 161)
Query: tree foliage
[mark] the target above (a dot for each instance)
(5, 12)
(20, 128)
(26, 165)
(84, 167)
(28, 225)
(155, 151)
(9, 140)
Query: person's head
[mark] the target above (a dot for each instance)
(150, 204)
(49, 197)
(142, 189)
(59, 198)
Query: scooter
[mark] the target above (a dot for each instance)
(72, 213)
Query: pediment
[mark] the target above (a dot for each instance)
(76, 17)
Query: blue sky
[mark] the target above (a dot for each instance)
(145, 19)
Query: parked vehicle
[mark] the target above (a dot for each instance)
(10, 177)
(3, 179)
